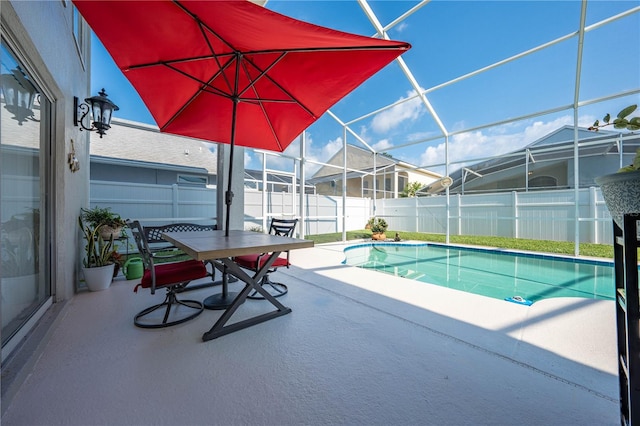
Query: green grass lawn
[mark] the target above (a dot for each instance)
(542, 246)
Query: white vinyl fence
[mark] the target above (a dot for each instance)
(548, 215)
(538, 215)
(153, 204)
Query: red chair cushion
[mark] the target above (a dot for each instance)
(250, 261)
(175, 273)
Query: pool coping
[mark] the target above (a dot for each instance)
(388, 269)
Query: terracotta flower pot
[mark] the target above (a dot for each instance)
(107, 231)
(379, 236)
(621, 192)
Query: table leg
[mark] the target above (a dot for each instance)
(252, 283)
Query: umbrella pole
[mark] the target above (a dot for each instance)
(228, 197)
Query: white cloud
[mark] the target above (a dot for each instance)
(396, 115)
(314, 152)
(382, 145)
(472, 145)
(321, 154)
(496, 141)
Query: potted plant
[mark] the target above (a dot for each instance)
(378, 228)
(369, 223)
(98, 261)
(118, 262)
(109, 224)
(621, 190)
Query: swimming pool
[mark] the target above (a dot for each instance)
(493, 273)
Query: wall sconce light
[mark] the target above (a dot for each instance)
(101, 110)
(19, 94)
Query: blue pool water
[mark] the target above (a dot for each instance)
(492, 273)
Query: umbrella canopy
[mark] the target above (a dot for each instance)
(232, 71)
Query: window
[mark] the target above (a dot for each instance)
(192, 180)
(543, 182)
(78, 33)
(402, 183)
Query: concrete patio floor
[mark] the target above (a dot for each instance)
(359, 347)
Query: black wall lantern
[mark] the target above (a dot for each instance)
(101, 110)
(19, 94)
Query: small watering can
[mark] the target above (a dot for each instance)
(133, 268)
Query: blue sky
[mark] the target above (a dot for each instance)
(451, 39)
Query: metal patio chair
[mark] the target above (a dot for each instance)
(253, 262)
(172, 276)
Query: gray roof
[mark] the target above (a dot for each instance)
(127, 140)
(557, 145)
(357, 158)
(564, 135)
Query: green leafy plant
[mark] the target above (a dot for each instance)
(633, 166)
(620, 122)
(99, 216)
(98, 252)
(411, 189)
(378, 225)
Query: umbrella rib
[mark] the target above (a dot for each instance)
(205, 84)
(265, 100)
(403, 46)
(202, 27)
(181, 60)
(263, 73)
(254, 52)
(260, 103)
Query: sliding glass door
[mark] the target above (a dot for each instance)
(24, 173)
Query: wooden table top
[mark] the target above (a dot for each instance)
(208, 245)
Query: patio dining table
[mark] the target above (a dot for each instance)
(221, 249)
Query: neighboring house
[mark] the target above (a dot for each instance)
(391, 175)
(548, 163)
(139, 153)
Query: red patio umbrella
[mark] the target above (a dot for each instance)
(232, 71)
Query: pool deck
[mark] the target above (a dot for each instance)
(360, 347)
(581, 330)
